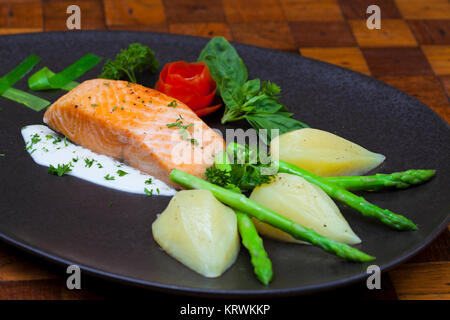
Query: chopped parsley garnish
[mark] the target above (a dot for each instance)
(108, 177)
(99, 165)
(149, 181)
(57, 140)
(148, 192)
(106, 84)
(183, 129)
(113, 109)
(75, 159)
(34, 139)
(60, 170)
(65, 141)
(88, 162)
(2, 154)
(179, 124)
(49, 136)
(157, 190)
(94, 105)
(121, 173)
(172, 104)
(121, 108)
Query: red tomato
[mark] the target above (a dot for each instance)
(191, 83)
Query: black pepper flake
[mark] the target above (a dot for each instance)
(75, 106)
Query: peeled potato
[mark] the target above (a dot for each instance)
(324, 153)
(199, 231)
(300, 201)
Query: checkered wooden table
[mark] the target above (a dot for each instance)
(410, 52)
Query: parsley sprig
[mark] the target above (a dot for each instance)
(128, 62)
(239, 168)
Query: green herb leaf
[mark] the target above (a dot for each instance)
(128, 62)
(121, 173)
(61, 170)
(253, 100)
(108, 177)
(88, 162)
(223, 62)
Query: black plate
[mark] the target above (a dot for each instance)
(70, 221)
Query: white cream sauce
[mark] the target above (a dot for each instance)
(48, 148)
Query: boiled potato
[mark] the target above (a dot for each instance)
(300, 201)
(324, 153)
(199, 231)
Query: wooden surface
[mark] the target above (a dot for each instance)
(410, 52)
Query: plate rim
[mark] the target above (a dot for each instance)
(191, 291)
(175, 289)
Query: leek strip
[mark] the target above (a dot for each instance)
(12, 77)
(41, 81)
(45, 79)
(31, 101)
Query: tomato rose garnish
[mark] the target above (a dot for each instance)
(191, 83)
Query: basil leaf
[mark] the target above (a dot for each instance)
(251, 88)
(253, 100)
(274, 121)
(223, 62)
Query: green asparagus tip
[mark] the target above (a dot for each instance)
(265, 278)
(366, 258)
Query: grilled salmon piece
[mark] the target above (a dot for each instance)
(142, 127)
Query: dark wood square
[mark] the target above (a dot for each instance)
(178, 11)
(397, 61)
(322, 34)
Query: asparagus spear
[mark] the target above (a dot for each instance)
(242, 203)
(359, 203)
(262, 266)
(398, 180)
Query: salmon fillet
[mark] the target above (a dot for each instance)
(140, 126)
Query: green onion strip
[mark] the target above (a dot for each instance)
(11, 78)
(45, 79)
